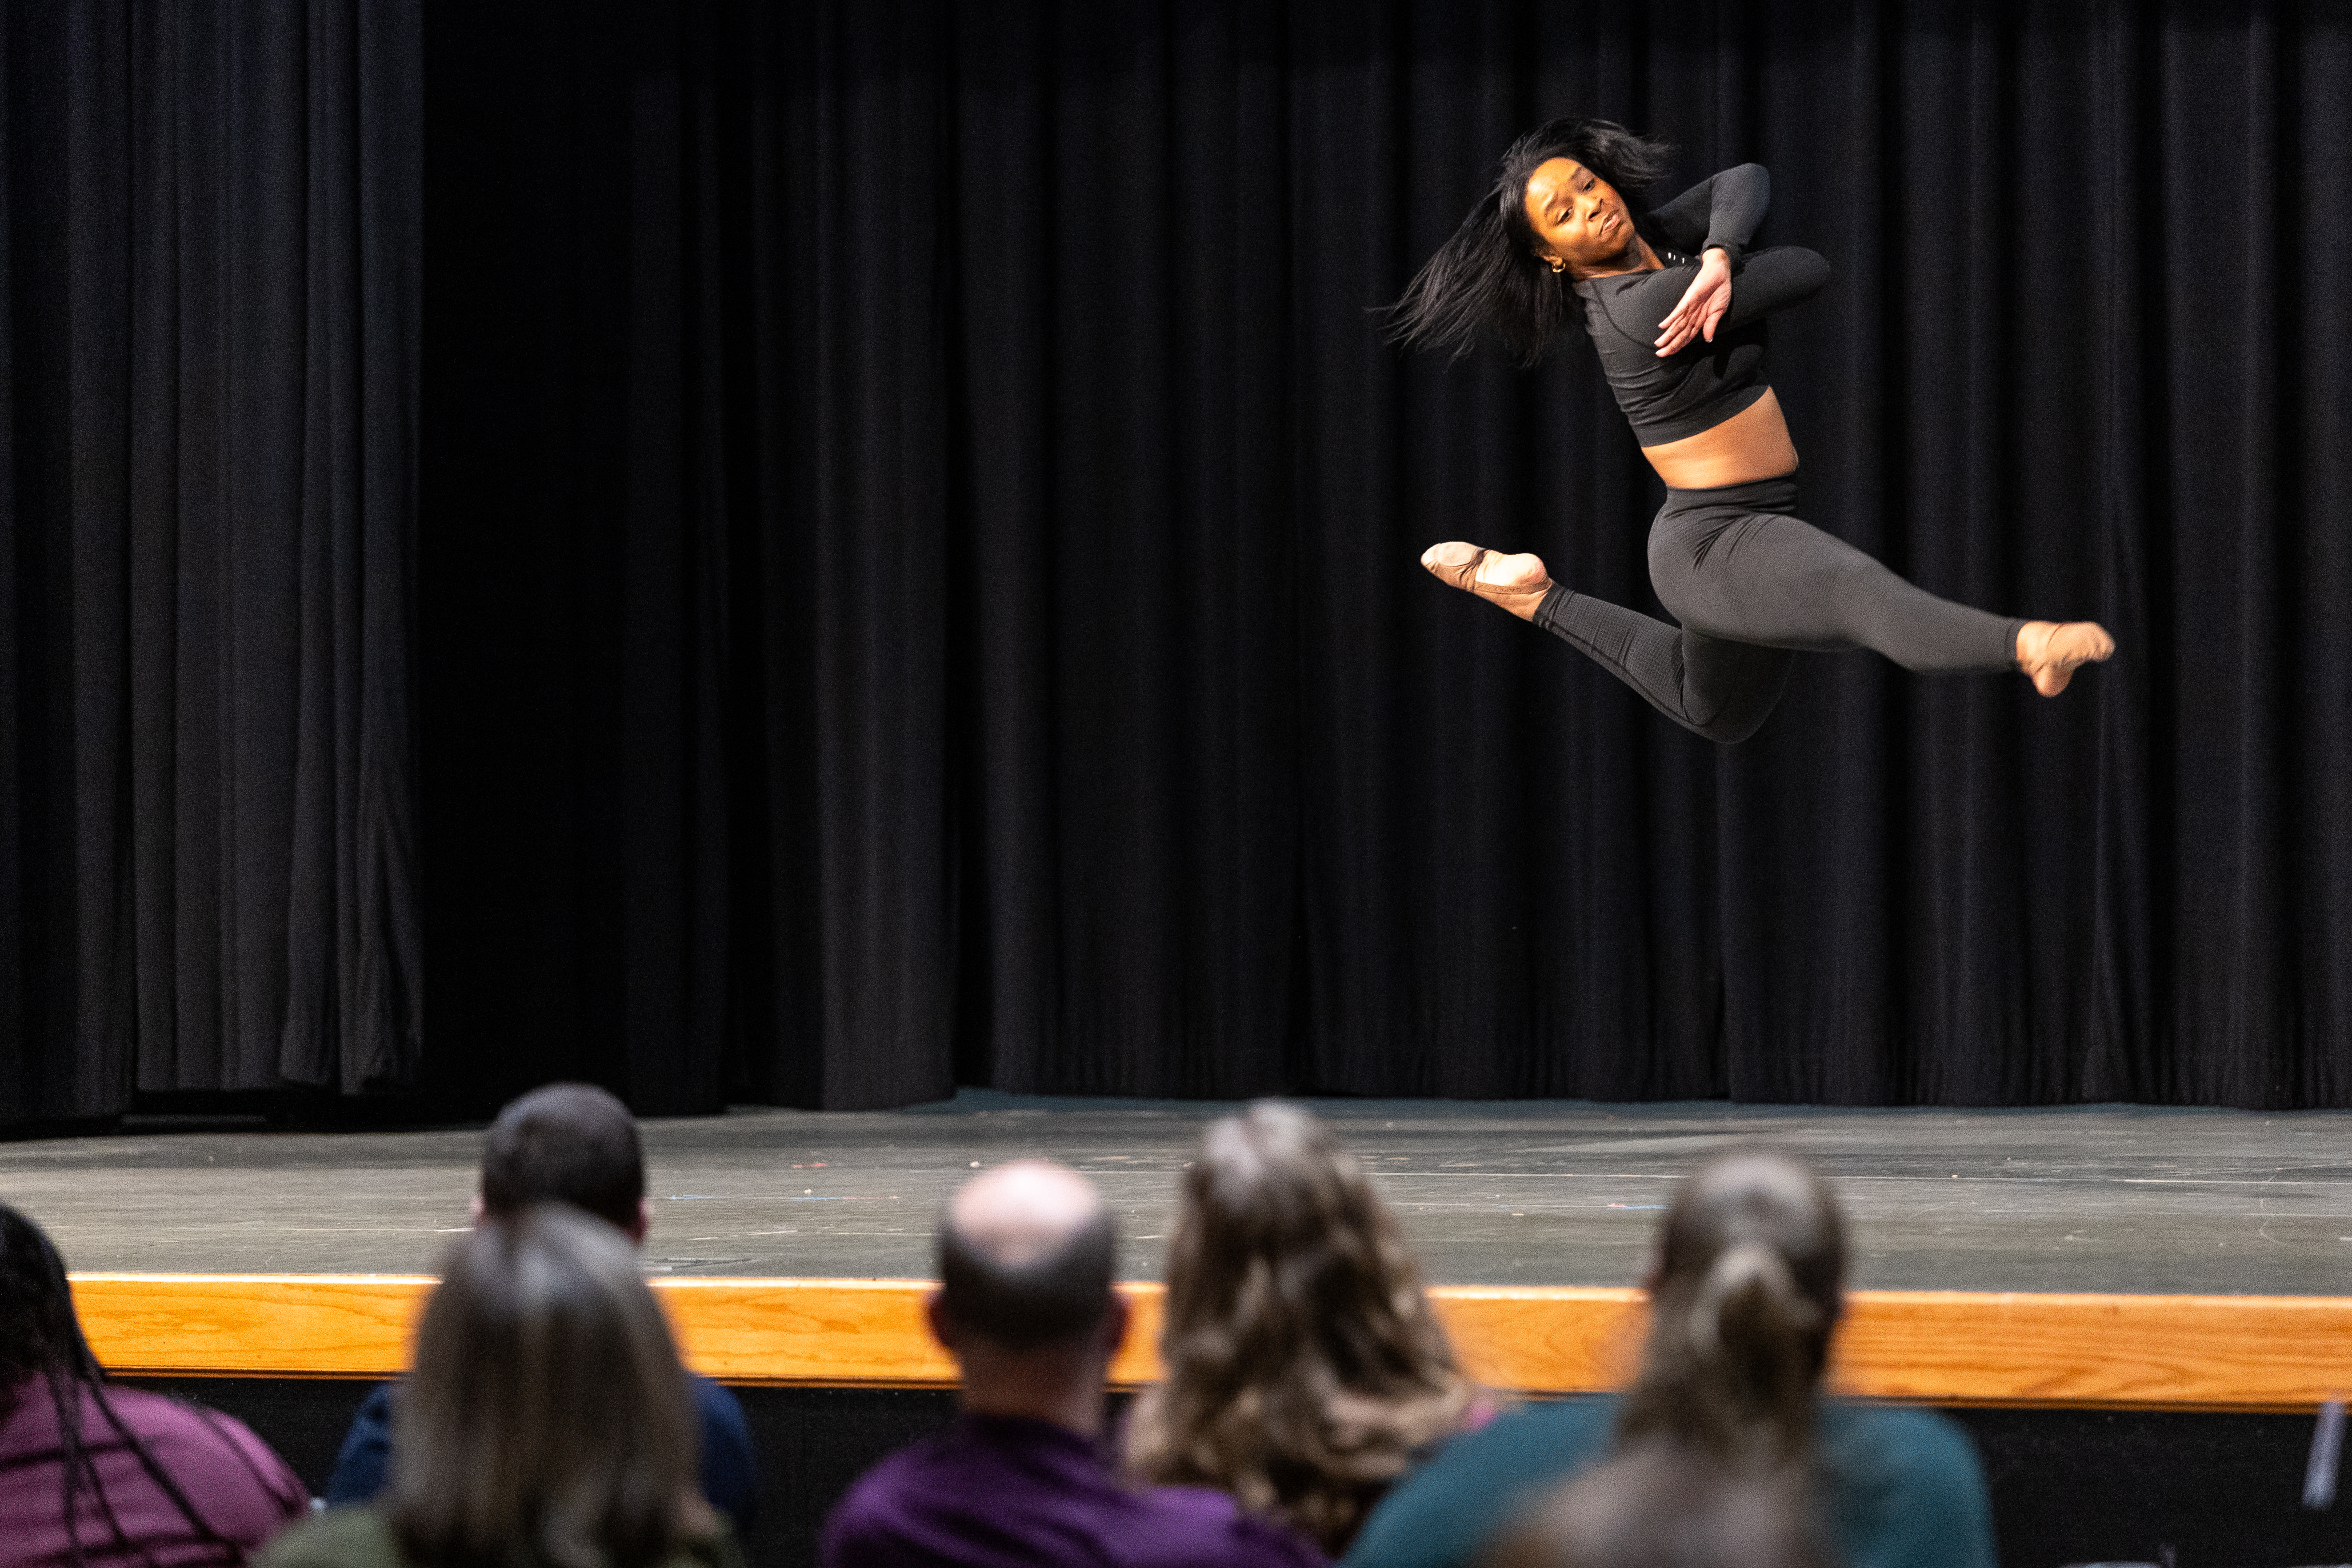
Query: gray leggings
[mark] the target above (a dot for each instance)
(1750, 583)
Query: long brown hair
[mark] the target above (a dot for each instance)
(1304, 1365)
(547, 1423)
(1749, 1283)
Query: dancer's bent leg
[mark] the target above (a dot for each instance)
(1713, 687)
(1710, 686)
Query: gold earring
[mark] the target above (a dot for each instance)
(1558, 265)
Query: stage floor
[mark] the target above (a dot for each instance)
(2111, 1198)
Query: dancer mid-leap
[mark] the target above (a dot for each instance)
(1675, 309)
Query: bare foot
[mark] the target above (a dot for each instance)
(1517, 582)
(2049, 652)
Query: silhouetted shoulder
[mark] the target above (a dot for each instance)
(1906, 1489)
(1440, 1515)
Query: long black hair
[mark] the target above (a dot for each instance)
(42, 1351)
(1749, 1283)
(1487, 279)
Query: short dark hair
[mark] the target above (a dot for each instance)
(546, 1419)
(1055, 1297)
(565, 1143)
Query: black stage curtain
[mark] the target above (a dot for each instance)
(920, 536)
(209, 256)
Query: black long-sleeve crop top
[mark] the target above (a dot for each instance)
(1706, 382)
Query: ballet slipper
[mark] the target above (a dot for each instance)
(2049, 652)
(1517, 583)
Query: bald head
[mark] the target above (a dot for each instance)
(1019, 1213)
(1026, 1253)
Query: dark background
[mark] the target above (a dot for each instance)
(914, 576)
(2190, 1490)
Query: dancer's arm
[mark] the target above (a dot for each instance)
(1769, 279)
(1773, 279)
(1721, 212)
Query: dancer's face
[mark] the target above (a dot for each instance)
(1579, 218)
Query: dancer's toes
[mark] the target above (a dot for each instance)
(1517, 582)
(2049, 652)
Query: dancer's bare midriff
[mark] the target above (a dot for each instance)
(1751, 444)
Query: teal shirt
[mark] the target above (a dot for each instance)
(1904, 1488)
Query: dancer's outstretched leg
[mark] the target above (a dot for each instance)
(1735, 563)
(1719, 689)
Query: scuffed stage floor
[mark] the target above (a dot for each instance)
(2100, 1199)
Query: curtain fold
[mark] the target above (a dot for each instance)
(209, 867)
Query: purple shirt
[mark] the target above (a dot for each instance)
(997, 1491)
(244, 1490)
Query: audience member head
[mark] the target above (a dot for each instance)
(1747, 1287)
(39, 1335)
(1028, 1252)
(547, 1420)
(43, 1355)
(1664, 1505)
(566, 1144)
(1303, 1366)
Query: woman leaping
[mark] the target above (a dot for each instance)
(1675, 307)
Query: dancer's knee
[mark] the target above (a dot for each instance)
(1745, 686)
(1738, 716)
(1730, 727)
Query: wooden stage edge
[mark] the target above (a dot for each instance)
(1936, 1347)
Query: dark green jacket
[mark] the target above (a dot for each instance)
(359, 1538)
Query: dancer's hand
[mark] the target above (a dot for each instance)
(1703, 303)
